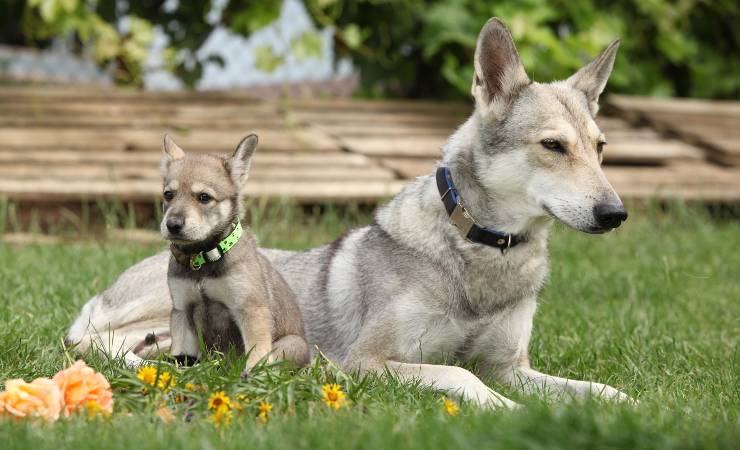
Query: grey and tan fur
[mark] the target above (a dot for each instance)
(408, 291)
(240, 299)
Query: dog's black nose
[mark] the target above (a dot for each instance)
(610, 215)
(175, 224)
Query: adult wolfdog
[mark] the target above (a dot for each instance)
(451, 267)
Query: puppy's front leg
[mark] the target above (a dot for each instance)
(255, 326)
(184, 340)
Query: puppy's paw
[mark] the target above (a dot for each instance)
(186, 360)
(245, 374)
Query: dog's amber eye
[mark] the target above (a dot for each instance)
(600, 146)
(204, 198)
(552, 144)
(169, 195)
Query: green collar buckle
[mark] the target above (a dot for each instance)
(214, 254)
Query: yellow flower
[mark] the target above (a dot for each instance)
(166, 381)
(93, 408)
(147, 374)
(264, 413)
(333, 396)
(219, 401)
(190, 387)
(222, 416)
(450, 407)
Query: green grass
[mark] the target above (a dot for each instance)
(652, 308)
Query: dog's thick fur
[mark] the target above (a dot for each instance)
(239, 300)
(408, 292)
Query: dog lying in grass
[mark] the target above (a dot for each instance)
(218, 281)
(451, 268)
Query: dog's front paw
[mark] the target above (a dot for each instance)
(613, 394)
(496, 401)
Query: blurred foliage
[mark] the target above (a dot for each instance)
(424, 48)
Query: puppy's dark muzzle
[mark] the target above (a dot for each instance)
(609, 215)
(175, 225)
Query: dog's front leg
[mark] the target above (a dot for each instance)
(184, 339)
(452, 380)
(255, 327)
(531, 381)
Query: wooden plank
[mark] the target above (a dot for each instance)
(719, 108)
(696, 181)
(151, 172)
(201, 140)
(151, 159)
(330, 117)
(50, 191)
(395, 146)
(711, 125)
(385, 106)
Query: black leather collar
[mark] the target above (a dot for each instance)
(462, 219)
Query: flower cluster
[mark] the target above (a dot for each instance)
(76, 389)
(153, 377)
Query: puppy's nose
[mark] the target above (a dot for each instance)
(175, 224)
(610, 215)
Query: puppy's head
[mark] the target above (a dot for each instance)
(202, 193)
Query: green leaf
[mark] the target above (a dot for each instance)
(352, 35)
(266, 60)
(307, 45)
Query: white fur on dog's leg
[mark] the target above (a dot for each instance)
(531, 381)
(454, 381)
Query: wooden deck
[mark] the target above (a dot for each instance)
(62, 144)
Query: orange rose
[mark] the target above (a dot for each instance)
(39, 398)
(81, 385)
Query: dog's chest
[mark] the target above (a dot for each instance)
(227, 289)
(494, 305)
(494, 283)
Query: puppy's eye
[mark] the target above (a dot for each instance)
(204, 198)
(600, 146)
(169, 195)
(553, 144)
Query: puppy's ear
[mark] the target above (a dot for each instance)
(240, 162)
(499, 73)
(170, 152)
(591, 79)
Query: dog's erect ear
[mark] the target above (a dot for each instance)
(171, 152)
(591, 79)
(242, 159)
(499, 73)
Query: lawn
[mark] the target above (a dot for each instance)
(653, 308)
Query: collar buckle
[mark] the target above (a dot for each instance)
(508, 245)
(461, 218)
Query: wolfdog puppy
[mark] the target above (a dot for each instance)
(218, 280)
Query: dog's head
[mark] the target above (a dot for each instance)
(538, 143)
(202, 194)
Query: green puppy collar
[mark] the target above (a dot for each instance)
(214, 254)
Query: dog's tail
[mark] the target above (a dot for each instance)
(116, 333)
